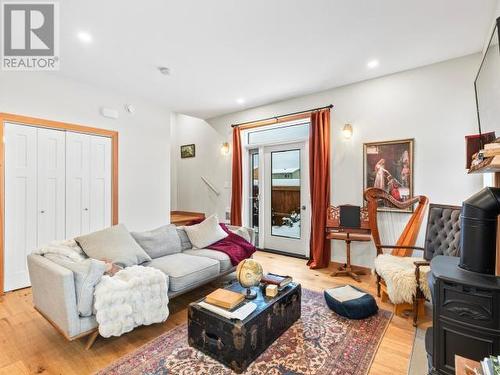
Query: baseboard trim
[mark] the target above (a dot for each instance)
(279, 252)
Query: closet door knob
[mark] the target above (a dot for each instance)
(42, 211)
(85, 209)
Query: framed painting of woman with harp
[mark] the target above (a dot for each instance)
(389, 166)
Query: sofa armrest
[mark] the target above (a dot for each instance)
(54, 296)
(250, 231)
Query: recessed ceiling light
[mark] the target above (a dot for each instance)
(84, 37)
(164, 70)
(372, 64)
(240, 101)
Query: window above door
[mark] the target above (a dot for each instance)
(282, 133)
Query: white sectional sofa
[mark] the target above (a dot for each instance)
(54, 290)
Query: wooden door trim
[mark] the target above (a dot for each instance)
(57, 125)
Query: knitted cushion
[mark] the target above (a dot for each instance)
(358, 308)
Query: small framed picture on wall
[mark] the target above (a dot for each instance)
(188, 151)
(389, 166)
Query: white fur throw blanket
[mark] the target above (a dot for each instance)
(134, 296)
(399, 276)
(67, 248)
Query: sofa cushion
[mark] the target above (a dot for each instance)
(206, 233)
(185, 270)
(160, 241)
(115, 244)
(185, 243)
(87, 274)
(222, 258)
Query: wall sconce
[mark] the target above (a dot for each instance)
(347, 131)
(224, 148)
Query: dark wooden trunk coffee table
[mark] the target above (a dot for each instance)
(237, 343)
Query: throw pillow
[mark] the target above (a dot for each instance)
(115, 244)
(87, 274)
(160, 241)
(206, 233)
(242, 232)
(185, 243)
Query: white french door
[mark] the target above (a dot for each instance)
(77, 186)
(285, 215)
(20, 203)
(57, 186)
(51, 185)
(88, 183)
(100, 183)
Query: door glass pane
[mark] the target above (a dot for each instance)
(254, 191)
(285, 193)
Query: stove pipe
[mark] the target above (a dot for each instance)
(479, 230)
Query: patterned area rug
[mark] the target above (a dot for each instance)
(321, 343)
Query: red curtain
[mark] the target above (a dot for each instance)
(319, 174)
(237, 179)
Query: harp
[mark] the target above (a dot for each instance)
(405, 244)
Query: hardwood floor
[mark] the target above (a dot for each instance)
(30, 345)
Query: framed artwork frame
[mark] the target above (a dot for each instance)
(188, 151)
(388, 165)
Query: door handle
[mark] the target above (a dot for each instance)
(85, 209)
(303, 207)
(42, 211)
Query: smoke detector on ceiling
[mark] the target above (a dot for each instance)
(164, 70)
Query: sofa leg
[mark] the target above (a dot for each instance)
(91, 339)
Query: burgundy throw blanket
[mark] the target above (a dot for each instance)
(236, 247)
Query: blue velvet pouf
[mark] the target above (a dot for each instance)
(358, 308)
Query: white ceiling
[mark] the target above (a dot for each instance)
(259, 50)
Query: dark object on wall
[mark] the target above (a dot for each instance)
(466, 315)
(479, 231)
(350, 216)
(188, 151)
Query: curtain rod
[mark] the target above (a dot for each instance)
(277, 117)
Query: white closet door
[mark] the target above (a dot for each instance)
(77, 184)
(20, 203)
(51, 186)
(100, 183)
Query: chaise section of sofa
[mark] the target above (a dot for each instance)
(54, 296)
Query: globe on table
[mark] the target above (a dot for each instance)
(249, 273)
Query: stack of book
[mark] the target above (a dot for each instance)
(489, 157)
(274, 279)
(228, 304)
(224, 298)
(490, 365)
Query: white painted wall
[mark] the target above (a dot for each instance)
(433, 104)
(192, 193)
(144, 137)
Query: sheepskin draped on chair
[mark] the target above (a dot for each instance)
(401, 277)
